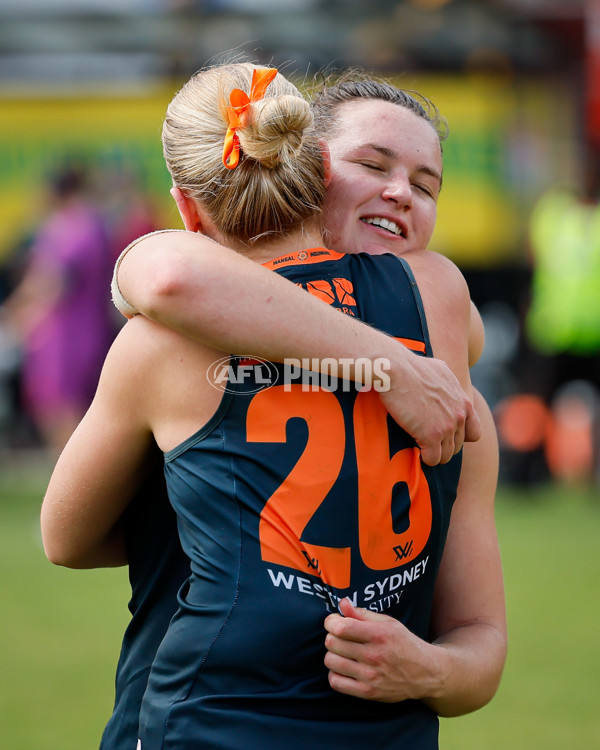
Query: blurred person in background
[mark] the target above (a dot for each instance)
(60, 310)
(563, 320)
(562, 324)
(129, 210)
(16, 430)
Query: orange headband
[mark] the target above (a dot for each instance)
(236, 113)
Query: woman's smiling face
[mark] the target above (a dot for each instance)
(386, 175)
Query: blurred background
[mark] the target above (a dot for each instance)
(83, 89)
(84, 85)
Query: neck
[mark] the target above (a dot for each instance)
(269, 249)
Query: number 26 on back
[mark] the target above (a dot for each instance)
(292, 505)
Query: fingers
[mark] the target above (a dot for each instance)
(345, 640)
(349, 631)
(452, 444)
(459, 439)
(349, 685)
(472, 425)
(342, 650)
(449, 448)
(355, 652)
(431, 454)
(354, 678)
(347, 609)
(346, 628)
(467, 430)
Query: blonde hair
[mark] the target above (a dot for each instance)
(279, 181)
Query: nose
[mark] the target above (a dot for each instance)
(398, 190)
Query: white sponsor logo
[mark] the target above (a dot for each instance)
(227, 373)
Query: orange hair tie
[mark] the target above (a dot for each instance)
(236, 113)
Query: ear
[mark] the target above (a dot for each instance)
(193, 215)
(187, 209)
(326, 156)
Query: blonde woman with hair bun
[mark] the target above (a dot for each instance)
(297, 497)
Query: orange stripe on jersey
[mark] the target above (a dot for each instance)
(416, 346)
(303, 257)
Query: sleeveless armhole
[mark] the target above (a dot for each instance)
(419, 303)
(204, 431)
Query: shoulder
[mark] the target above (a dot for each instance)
(447, 306)
(140, 339)
(428, 262)
(445, 292)
(133, 359)
(142, 354)
(440, 281)
(159, 378)
(150, 348)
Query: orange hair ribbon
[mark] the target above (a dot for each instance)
(236, 113)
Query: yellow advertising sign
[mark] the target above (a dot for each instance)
(37, 134)
(482, 208)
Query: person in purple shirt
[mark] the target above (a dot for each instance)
(60, 310)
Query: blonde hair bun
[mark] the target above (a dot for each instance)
(279, 182)
(275, 129)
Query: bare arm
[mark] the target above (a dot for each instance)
(187, 282)
(373, 656)
(469, 608)
(476, 336)
(98, 470)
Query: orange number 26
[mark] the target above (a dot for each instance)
(292, 505)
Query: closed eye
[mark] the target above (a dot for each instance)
(371, 165)
(424, 189)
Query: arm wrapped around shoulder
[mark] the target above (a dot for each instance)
(119, 301)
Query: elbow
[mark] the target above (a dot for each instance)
(163, 279)
(54, 540)
(61, 547)
(61, 554)
(168, 282)
(479, 698)
(66, 558)
(476, 681)
(62, 560)
(83, 553)
(152, 296)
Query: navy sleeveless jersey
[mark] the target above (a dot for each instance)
(157, 569)
(301, 490)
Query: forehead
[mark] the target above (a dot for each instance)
(360, 123)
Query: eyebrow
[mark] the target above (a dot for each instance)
(391, 154)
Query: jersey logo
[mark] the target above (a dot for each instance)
(338, 292)
(403, 551)
(313, 255)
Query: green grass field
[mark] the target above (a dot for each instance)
(60, 629)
